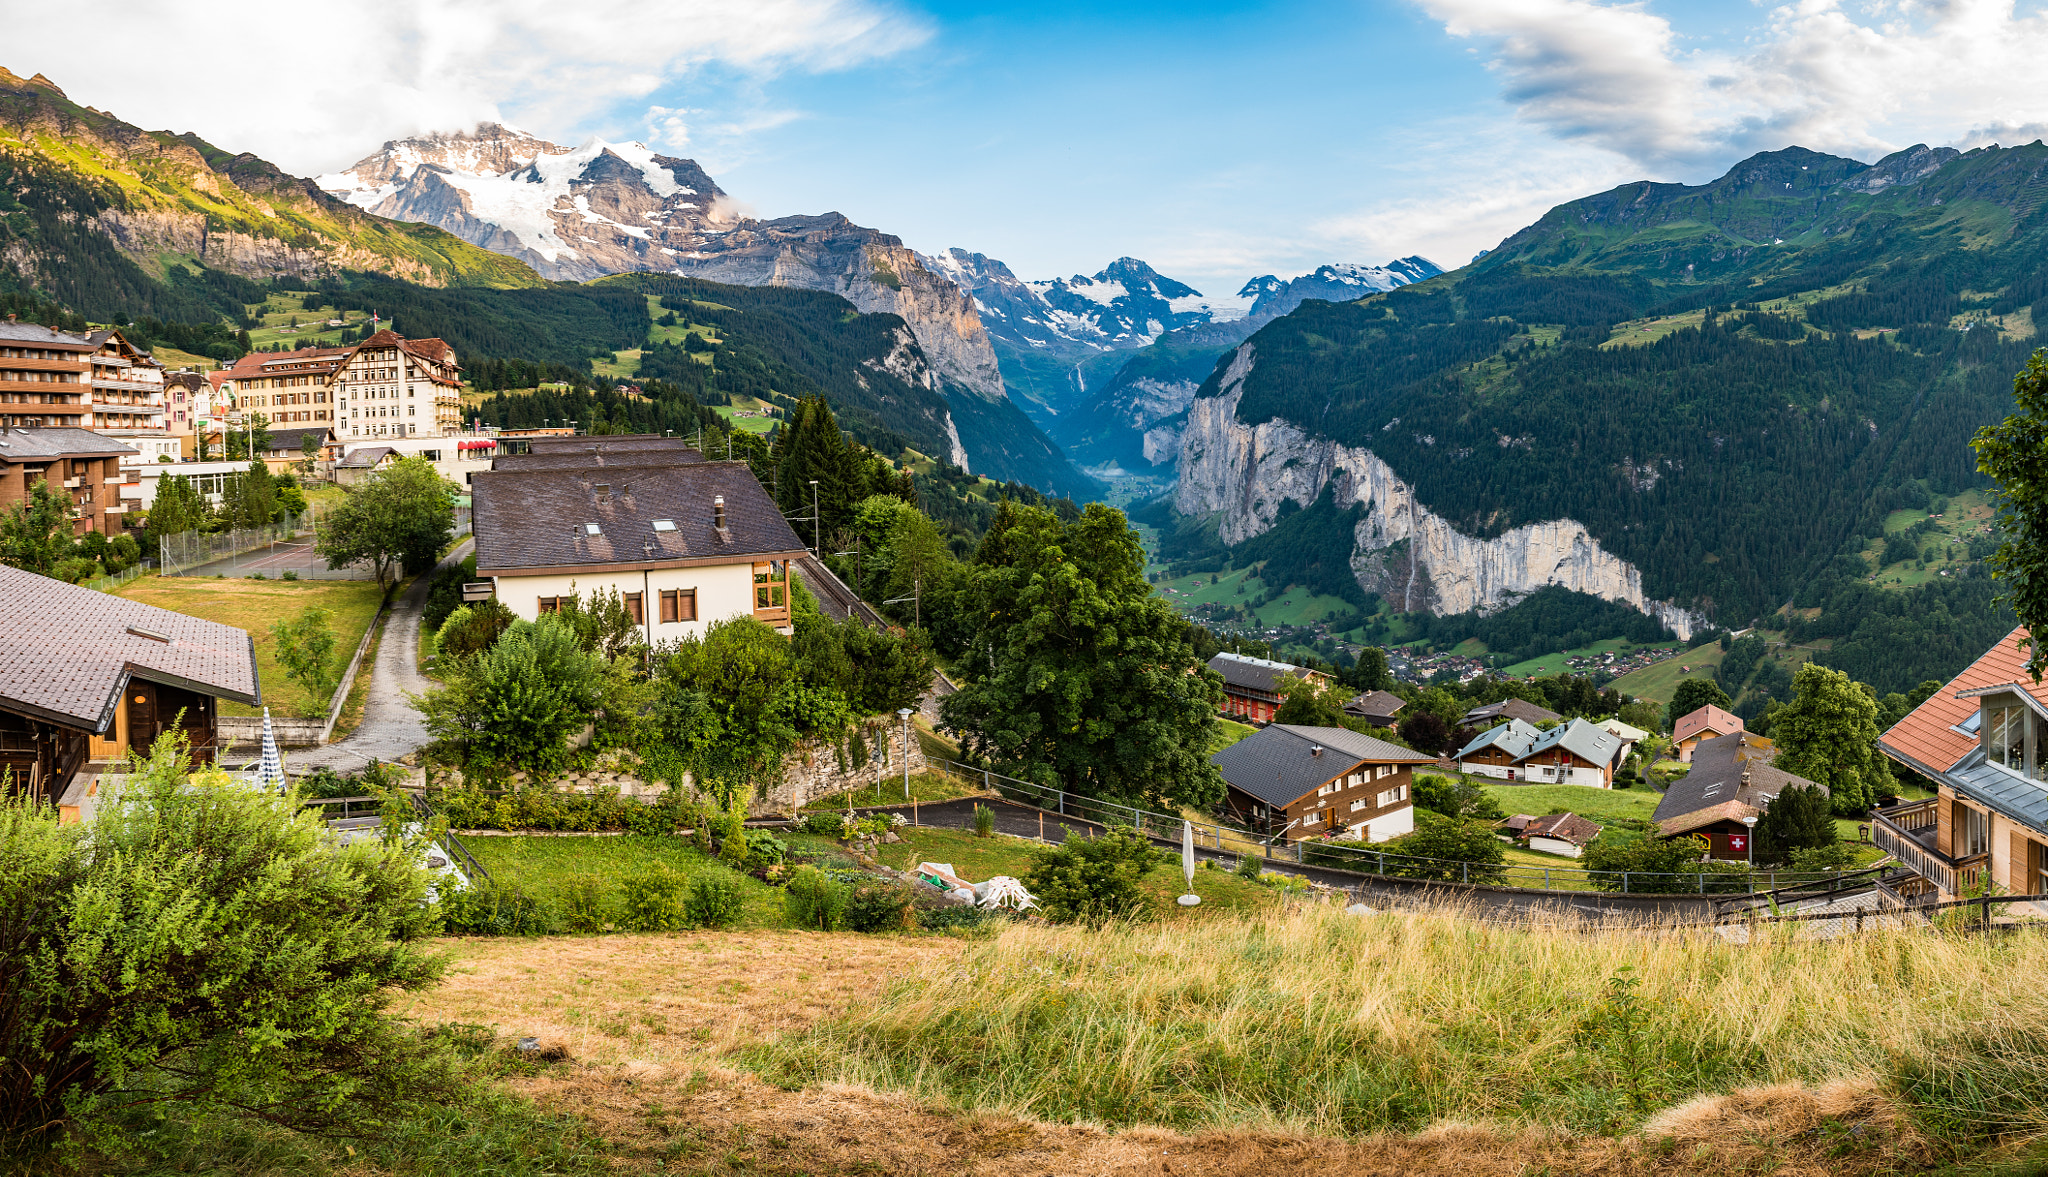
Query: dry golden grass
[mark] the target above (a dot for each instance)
(911, 1072)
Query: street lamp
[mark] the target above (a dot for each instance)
(1749, 839)
(905, 713)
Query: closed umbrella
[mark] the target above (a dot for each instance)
(1187, 862)
(270, 772)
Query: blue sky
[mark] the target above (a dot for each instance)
(1216, 140)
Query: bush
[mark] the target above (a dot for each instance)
(585, 903)
(878, 907)
(984, 822)
(985, 920)
(714, 900)
(488, 909)
(764, 850)
(1094, 880)
(814, 901)
(1654, 865)
(825, 824)
(1453, 850)
(1833, 856)
(652, 901)
(517, 704)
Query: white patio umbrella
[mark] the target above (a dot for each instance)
(1187, 862)
(270, 770)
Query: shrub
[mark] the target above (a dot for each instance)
(733, 850)
(814, 901)
(1653, 865)
(1248, 866)
(488, 909)
(764, 850)
(518, 703)
(984, 920)
(825, 824)
(652, 900)
(984, 822)
(585, 903)
(1454, 850)
(1094, 880)
(1833, 856)
(878, 907)
(714, 900)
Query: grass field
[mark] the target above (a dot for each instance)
(1658, 683)
(255, 605)
(1226, 733)
(542, 866)
(1968, 514)
(746, 424)
(1550, 664)
(1599, 805)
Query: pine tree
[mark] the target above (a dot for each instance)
(811, 447)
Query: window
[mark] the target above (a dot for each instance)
(664, 525)
(678, 605)
(591, 529)
(1973, 832)
(2006, 737)
(1393, 796)
(1359, 804)
(550, 604)
(633, 609)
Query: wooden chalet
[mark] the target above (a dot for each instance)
(1983, 740)
(1494, 714)
(1732, 778)
(1574, 753)
(1695, 727)
(1378, 708)
(1251, 686)
(1311, 782)
(86, 678)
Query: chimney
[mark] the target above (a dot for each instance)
(718, 511)
(1316, 750)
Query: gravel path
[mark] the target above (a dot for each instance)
(390, 727)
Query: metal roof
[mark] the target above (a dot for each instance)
(66, 652)
(1278, 764)
(1255, 674)
(56, 441)
(35, 334)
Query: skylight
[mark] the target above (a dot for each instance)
(590, 529)
(1970, 724)
(664, 525)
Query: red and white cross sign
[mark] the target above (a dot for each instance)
(1737, 841)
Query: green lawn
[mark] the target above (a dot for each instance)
(888, 790)
(1658, 683)
(255, 605)
(746, 424)
(541, 866)
(1550, 664)
(1226, 733)
(1598, 805)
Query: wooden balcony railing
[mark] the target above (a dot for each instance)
(1899, 842)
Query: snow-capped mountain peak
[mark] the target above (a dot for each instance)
(1271, 296)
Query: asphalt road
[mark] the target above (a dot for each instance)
(1026, 821)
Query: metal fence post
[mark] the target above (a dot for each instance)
(1466, 867)
(1624, 882)
(1703, 883)
(1546, 878)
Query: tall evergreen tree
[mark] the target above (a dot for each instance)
(812, 446)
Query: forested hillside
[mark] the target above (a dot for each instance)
(1727, 385)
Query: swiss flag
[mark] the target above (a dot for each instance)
(1737, 841)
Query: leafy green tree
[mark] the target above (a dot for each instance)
(875, 672)
(1693, 694)
(1426, 731)
(1090, 681)
(1829, 736)
(723, 706)
(1455, 797)
(1798, 819)
(249, 499)
(208, 949)
(251, 441)
(1450, 849)
(1898, 704)
(1094, 880)
(400, 518)
(177, 508)
(305, 648)
(35, 534)
(472, 629)
(516, 704)
(1307, 702)
(2015, 454)
(1371, 673)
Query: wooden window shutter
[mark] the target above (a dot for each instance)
(2017, 870)
(1947, 812)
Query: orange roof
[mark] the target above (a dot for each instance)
(1707, 719)
(1927, 736)
(255, 363)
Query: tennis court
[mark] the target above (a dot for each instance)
(274, 558)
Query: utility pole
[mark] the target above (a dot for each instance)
(905, 713)
(817, 546)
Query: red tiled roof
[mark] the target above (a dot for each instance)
(1927, 735)
(1708, 718)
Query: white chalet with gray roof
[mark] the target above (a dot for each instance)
(1572, 753)
(1313, 782)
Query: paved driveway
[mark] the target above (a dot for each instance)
(390, 727)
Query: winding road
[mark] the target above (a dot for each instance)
(390, 727)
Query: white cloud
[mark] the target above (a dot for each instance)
(312, 88)
(1619, 76)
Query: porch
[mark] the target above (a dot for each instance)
(1908, 832)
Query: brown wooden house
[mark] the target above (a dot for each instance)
(1311, 782)
(86, 678)
(1251, 686)
(1732, 778)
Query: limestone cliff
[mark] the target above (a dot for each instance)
(1409, 555)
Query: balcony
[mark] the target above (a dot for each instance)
(113, 361)
(1907, 833)
(115, 385)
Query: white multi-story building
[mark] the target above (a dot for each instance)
(392, 387)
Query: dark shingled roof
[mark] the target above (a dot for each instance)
(1716, 780)
(605, 442)
(574, 459)
(366, 457)
(1254, 674)
(292, 438)
(1277, 764)
(37, 335)
(56, 441)
(1376, 704)
(1520, 709)
(66, 653)
(538, 518)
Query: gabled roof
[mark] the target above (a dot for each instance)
(1278, 764)
(1581, 739)
(1376, 704)
(292, 437)
(1621, 731)
(534, 519)
(1928, 738)
(67, 653)
(1520, 709)
(366, 457)
(1254, 674)
(570, 453)
(1707, 719)
(1513, 737)
(1716, 783)
(1566, 827)
(42, 443)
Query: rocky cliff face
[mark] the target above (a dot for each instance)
(1401, 550)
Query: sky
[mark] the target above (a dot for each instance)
(1216, 140)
